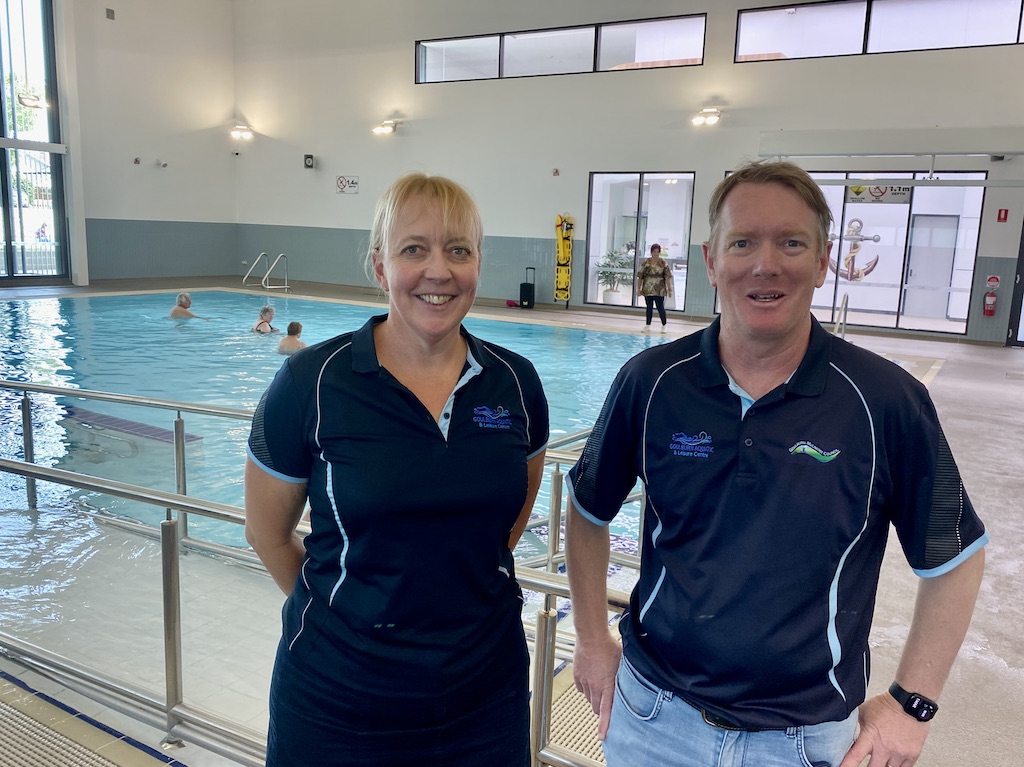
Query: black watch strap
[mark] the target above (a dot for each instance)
(915, 704)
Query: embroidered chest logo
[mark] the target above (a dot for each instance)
(803, 447)
(492, 418)
(697, 446)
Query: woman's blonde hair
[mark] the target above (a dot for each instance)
(459, 213)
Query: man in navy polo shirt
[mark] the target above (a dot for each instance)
(775, 456)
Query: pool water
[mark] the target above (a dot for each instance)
(127, 344)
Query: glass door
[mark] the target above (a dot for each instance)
(629, 212)
(31, 188)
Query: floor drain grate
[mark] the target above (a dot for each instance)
(574, 725)
(24, 742)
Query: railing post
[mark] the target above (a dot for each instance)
(179, 471)
(555, 517)
(543, 653)
(172, 621)
(30, 450)
(554, 527)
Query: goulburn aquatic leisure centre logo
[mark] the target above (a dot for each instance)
(803, 447)
(698, 446)
(496, 418)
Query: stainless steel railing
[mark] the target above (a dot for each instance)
(839, 328)
(265, 282)
(182, 721)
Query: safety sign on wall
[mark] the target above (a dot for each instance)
(889, 194)
(348, 184)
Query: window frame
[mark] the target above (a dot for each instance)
(865, 49)
(419, 58)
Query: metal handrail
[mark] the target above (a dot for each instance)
(568, 439)
(266, 277)
(839, 328)
(129, 399)
(266, 259)
(212, 509)
(228, 737)
(179, 718)
(194, 725)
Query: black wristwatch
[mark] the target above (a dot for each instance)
(915, 704)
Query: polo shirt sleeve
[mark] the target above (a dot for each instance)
(607, 469)
(277, 441)
(934, 518)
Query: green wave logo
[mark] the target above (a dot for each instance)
(803, 447)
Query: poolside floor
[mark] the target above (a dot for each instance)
(230, 612)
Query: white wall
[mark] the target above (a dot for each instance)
(312, 76)
(157, 82)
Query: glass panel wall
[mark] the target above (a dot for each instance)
(850, 27)
(629, 212)
(660, 43)
(800, 32)
(677, 41)
(474, 58)
(34, 246)
(559, 51)
(828, 295)
(902, 256)
(915, 25)
(30, 175)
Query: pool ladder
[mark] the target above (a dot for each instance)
(265, 280)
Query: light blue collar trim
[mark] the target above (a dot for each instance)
(473, 368)
(745, 399)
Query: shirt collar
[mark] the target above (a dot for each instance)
(808, 379)
(810, 375)
(364, 353)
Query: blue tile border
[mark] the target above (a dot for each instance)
(149, 750)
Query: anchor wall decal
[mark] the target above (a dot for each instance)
(850, 271)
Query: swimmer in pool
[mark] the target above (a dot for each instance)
(262, 325)
(181, 310)
(291, 343)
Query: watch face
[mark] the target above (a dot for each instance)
(920, 708)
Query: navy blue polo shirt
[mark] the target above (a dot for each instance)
(764, 531)
(408, 582)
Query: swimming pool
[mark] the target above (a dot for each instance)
(126, 344)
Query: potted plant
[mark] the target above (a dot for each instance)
(615, 269)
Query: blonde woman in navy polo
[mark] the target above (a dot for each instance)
(420, 450)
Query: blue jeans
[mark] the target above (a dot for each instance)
(653, 726)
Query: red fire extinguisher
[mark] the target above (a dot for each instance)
(990, 304)
(990, 298)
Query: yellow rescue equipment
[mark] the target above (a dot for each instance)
(564, 225)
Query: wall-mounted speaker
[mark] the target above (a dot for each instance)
(308, 161)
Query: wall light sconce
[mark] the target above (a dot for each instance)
(386, 127)
(707, 116)
(241, 132)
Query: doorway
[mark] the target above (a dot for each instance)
(931, 253)
(1015, 336)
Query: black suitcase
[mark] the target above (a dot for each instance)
(528, 290)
